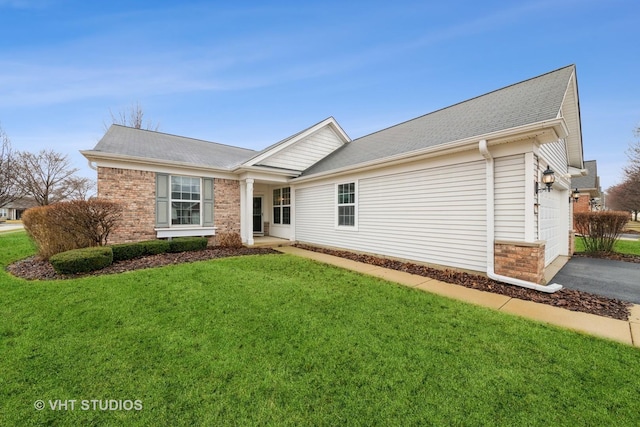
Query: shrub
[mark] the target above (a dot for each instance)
(600, 230)
(49, 233)
(184, 244)
(229, 240)
(125, 251)
(92, 219)
(71, 225)
(154, 247)
(82, 260)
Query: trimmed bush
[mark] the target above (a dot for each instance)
(186, 244)
(125, 251)
(82, 260)
(229, 240)
(63, 226)
(600, 230)
(155, 247)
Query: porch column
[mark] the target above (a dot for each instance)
(243, 211)
(249, 211)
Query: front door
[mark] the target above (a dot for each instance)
(257, 215)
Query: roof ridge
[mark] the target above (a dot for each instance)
(465, 101)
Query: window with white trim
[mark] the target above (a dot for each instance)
(282, 206)
(347, 205)
(185, 200)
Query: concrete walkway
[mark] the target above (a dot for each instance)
(627, 332)
(6, 227)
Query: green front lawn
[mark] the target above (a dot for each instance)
(630, 247)
(278, 340)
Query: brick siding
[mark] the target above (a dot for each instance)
(524, 261)
(226, 205)
(136, 191)
(582, 205)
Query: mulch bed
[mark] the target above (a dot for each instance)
(33, 268)
(565, 298)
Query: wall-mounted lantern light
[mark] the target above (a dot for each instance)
(548, 178)
(575, 196)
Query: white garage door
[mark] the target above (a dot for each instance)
(550, 222)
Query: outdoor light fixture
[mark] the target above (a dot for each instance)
(548, 178)
(575, 196)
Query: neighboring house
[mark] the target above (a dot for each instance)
(14, 210)
(457, 187)
(589, 191)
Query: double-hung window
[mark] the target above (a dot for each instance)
(282, 206)
(347, 204)
(185, 200)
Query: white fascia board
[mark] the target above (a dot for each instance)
(153, 165)
(279, 147)
(532, 131)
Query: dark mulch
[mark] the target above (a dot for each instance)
(565, 298)
(34, 268)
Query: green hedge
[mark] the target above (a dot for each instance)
(82, 260)
(125, 251)
(154, 247)
(185, 244)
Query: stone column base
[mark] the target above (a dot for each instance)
(520, 260)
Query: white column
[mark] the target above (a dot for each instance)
(243, 211)
(292, 229)
(249, 211)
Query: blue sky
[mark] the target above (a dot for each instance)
(252, 73)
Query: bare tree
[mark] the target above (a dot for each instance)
(81, 188)
(133, 118)
(625, 196)
(633, 167)
(47, 176)
(9, 188)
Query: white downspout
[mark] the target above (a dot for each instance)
(484, 150)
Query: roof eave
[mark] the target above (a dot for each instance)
(97, 156)
(544, 132)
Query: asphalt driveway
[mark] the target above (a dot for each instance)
(613, 279)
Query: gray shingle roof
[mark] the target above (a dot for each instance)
(122, 140)
(590, 180)
(523, 103)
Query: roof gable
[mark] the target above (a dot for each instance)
(532, 101)
(303, 149)
(590, 180)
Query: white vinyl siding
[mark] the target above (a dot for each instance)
(435, 215)
(509, 190)
(553, 219)
(551, 230)
(305, 153)
(555, 154)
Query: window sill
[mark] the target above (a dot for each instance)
(185, 232)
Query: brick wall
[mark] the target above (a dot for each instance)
(524, 261)
(136, 191)
(226, 205)
(582, 205)
(572, 242)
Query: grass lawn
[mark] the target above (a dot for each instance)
(631, 247)
(279, 340)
